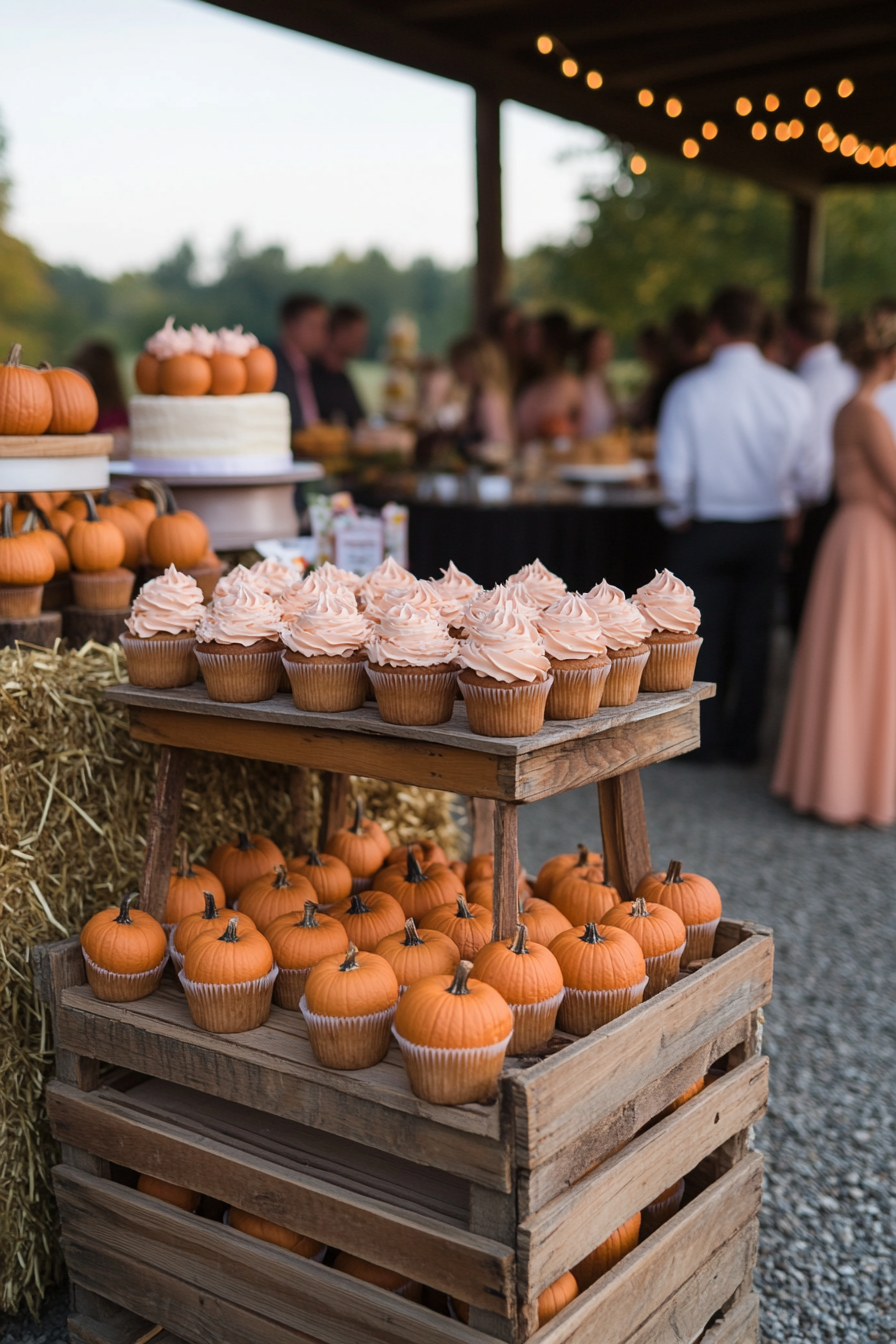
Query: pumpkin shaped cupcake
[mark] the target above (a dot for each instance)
(660, 934)
(416, 953)
(348, 1007)
(362, 847)
(418, 889)
(298, 943)
(160, 644)
(229, 980)
(604, 974)
(468, 926)
(212, 920)
(695, 899)
(608, 1253)
(558, 865)
(239, 861)
(583, 893)
(177, 1195)
(187, 887)
(329, 876)
(125, 952)
(543, 921)
(453, 1032)
(528, 978)
(276, 893)
(368, 916)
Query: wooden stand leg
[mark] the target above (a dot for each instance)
(493, 1215)
(505, 904)
(334, 800)
(161, 837)
(298, 796)
(624, 828)
(483, 824)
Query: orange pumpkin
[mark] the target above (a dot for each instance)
(556, 1296)
(608, 1253)
(24, 561)
(177, 536)
(240, 861)
(328, 875)
(95, 545)
(543, 920)
(187, 887)
(554, 868)
(425, 851)
(123, 940)
(278, 892)
(481, 890)
(468, 926)
(528, 978)
(130, 527)
(418, 889)
(459, 868)
(415, 953)
(262, 1230)
(300, 941)
(178, 1195)
(185, 376)
(660, 934)
(211, 921)
(694, 899)
(147, 374)
(38, 523)
(143, 509)
(604, 973)
(360, 987)
(261, 369)
(582, 894)
(483, 866)
(76, 507)
(685, 1096)
(380, 1277)
(368, 916)
(229, 375)
(75, 407)
(26, 403)
(362, 847)
(238, 956)
(61, 522)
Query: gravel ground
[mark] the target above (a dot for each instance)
(828, 1249)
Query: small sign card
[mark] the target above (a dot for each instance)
(358, 543)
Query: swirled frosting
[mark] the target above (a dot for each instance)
(387, 575)
(543, 587)
(327, 626)
(331, 574)
(520, 597)
(272, 576)
(502, 644)
(570, 629)
(169, 341)
(408, 636)
(168, 605)
(243, 616)
(299, 596)
(622, 623)
(205, 342)
(491, 599)
(455, 589)
(667, 603)
(422, 596)
(235, 341)
(227, 582)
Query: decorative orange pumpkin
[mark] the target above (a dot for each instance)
(229, 375)
(459, 868)
(543, 920)
(468, 926)
(143, 509)
(360, 987)
(328, 875)
(147, 374)
(425, 852)
(604, 974)
(278, 892)
(418, 889)
(482, 866)
(75, 407)
(694, 899)
(300, 941)
(61, 522)
(262, 1230)
(686, 1095)
(608, 1253)
(528, 978)
(390, 1279)
(368, 916)
(554, 868)
(239, 955)
(187, 887)
(582, 894)
(362, 847)
(38, 523)
(415, 953)
(660, 934)
(95, 545)
(130, 527)
(177, 536)
(24, 561)
(185, 376)
(261, 369)
(211, 922)
(556, 1296)
(481, 890)
(178, 1195)
(75, 507)
(124, 940)
(26, 403)
(240, 861)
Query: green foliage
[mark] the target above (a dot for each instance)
(26, 299)
(860, 246)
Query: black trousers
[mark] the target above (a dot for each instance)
(733, 569)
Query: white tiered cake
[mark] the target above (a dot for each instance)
(211, 436)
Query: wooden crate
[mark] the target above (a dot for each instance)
(489, 1204)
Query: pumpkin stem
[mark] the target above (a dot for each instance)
(170, 505)
(151, 490)
(591, 935)
(124, 910)
(45, 366)
(38, 514)
(186, 868)
(15, 354)
(414, 873)
(357, 906)
(350, 963)
(92, 515)
(639, 908)
(308, 920)
(520, 938)
(411, 936)
(7, 531)
(583, 856)
(461, 976)
(211, 908)
(30, 523)
(230, 934)
(463, 910)
(282, 878)
(243, 841)
(673, 872)
(313, 859)
(358, 827)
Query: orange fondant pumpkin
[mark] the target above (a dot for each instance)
(185, 376)
(261, 369)
(229, 375)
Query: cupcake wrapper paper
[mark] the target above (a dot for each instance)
(453, 1077)
(661, 971)
(426, 699)
(326, 688)
(624, 680)
(349, 1042)
(230, 1008)
(670, 667)
(160, 663)
(533, 1024)
(112, 987)
(576, 692)
(290, 987)
(699, 945)
(20, 600)
(240, 679)
(103, 592)
(506, 711)
(584, 1010)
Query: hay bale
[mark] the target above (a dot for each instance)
(75, 793)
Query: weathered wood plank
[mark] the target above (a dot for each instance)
(474, 1267)
(493, 1215)
(506, 903)
(562, 1233)
(740, 1324)
(334, 801)
(161, 837)
(57, 967)
(624, 830)
(482, 824)
(121, 1328)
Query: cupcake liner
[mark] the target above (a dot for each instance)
(112, 987)
(533, 1024)
(661, 971)
(326, 688)
(624, 680)
(506, 711)
(670, 666)
(661, 1210)
(453, 1077)
(576, 692)
(348, 1042)
(424, 699)
(19, 600)
(584, 1010)
(177, 960)
(106, 590)
(283, 685)
(160, 663)
(240, 679)
(230, 1008)
(700, 940)
(290, 987)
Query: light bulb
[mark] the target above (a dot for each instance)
(638, 165)
(863, 153)
(594, 79)
(878, 157)
(845, 88)
(891, 157)
(759, 130)
(831, 143)
(813, 98)
(710, 130)
(673, 107)
(743, 107)
(796, 129)
(772, 102)
(570, 68)
(690, 149)
(545, 44)
(645, 97)
(782, 131)
(849, 144)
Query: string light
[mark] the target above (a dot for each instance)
(878, 157)
(645, 97)
(570, 68)
(594, 79)
(759, 130)
(891, 157)
(772, 102)
(637, 165)
(845, 88)
(710, 130)
(830, 144)
(848, 145)
(743, 107)
(782, 131)
(813, 98)
(673, 107)
(690, 149)
(796, 129)
(825, 131)
(545, 44)
(863, 153)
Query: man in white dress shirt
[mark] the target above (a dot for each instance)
(734, 456)
(810, 329)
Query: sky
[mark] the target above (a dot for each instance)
(132, 124)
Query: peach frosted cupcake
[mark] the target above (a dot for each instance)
(625, 632)
(326, 660)
(422, 595)
(506, 677)
(387, 576)
(160, 645)
(542, 586)
(573, 641)
(412, 666)
(455, 589)
(238, 646)
(273, 577)
(300, 595)
(667, 605)
(230, 581)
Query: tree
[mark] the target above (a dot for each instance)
(26, 298)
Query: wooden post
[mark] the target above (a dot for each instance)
(806, 246)
(334, 799)
(161, 835)
(489, 229)
(624, 828)
(505, 900)
(483, 819)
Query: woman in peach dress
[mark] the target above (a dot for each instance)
(837, 757)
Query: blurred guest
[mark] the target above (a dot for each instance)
(486, 432)
(503, 328)
(599, 409)
(814, 357)
(686, 348)
(773, 338)
(837, 757)
(303, 337)
(551, 405)
(733, 456)
(96, 360)
(334, 391)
